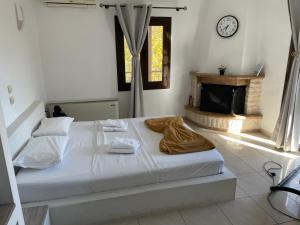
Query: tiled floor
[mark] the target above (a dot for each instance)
(244, 155)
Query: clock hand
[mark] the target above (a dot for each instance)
(225, 28)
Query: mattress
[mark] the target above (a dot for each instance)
(88, 168)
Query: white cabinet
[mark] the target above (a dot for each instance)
(88, 110)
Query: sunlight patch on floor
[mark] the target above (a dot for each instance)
(255, 138)
(258, 147)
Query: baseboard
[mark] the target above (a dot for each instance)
(265, 132)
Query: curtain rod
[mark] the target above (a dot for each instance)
(69, 3)
(107, 6)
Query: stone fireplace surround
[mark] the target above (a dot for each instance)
(251, 121)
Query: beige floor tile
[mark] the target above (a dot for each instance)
(246, 162)
(244, 211)
(225, 153)
(288, 164)
(284, 159)
(172, 218)
(258, 139)
(255, 161)
(240, 193)
(238, 166)
(236, 149)
(262, 201)
(253, 184)
(210, 215)
(269, 179)
(248, 152)
(280, 175)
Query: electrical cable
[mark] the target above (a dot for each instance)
(269, 171)
(273, 207)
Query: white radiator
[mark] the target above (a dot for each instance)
(88, 110)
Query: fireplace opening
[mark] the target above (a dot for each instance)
(222, 99)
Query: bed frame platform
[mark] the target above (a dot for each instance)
(97, 208)
(106, 206)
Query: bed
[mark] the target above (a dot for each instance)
(88, 168)
(102, 184)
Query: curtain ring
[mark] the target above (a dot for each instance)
(295, 54)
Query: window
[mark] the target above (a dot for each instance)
(155, 56)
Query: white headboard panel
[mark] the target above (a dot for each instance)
(19, 132)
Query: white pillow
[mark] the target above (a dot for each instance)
(58, 126)
(42, 152)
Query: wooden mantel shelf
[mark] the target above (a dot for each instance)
(233, 80)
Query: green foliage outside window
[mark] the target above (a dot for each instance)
(155, 51)
(128, 66)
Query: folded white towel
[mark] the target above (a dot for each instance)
(124, 145)
(114, 125)
(115, 129)
(121, 151)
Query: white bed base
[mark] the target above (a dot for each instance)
(105, 206)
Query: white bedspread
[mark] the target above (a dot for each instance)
(88, 168)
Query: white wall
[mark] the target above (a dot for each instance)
(79, 61)
(77, 48)
(20, 63)
(263, 37)
(78, 51)
(238, 53)
(274, 53)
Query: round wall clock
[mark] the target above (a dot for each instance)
(227, 26)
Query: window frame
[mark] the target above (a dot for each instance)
(166, 22)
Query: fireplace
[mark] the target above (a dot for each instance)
(228, 103)
(222, 99)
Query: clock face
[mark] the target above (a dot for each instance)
(227, 26)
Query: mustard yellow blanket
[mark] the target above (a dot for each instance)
(177, 138)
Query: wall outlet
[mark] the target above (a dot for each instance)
(9, 89)
(12, 100)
